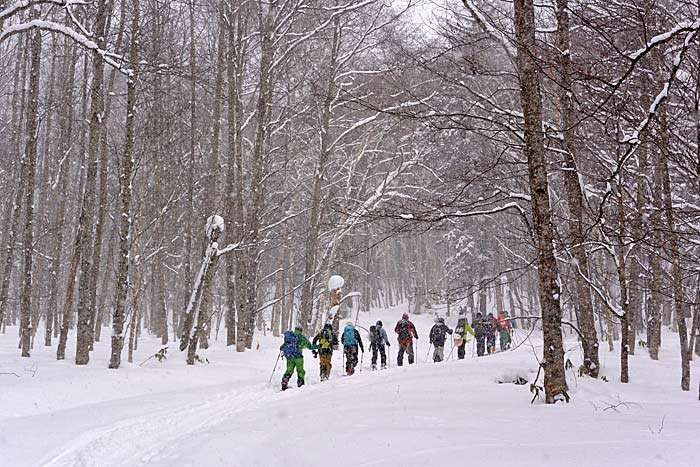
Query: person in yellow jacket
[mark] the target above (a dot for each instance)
(461, 333)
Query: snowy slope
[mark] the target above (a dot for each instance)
(225, 414)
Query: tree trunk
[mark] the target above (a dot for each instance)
(574, 195)
(163, 307)
(248, 262)
(64, 151)
(235, 224)
(29, 183)
(86, 290)
(68, 303)
(10, 239)
(624, 293)
(553, 359)
(674, 253)
(125, 220)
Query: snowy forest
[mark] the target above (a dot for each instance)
(198, 170)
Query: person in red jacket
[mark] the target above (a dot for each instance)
(406, 331)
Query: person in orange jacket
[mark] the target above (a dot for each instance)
(504, 328)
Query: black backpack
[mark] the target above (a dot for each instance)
(404, 330)
(373, 335)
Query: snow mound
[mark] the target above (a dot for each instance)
(518, 376)
(214, 222)
(336, 282)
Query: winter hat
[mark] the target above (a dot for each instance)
(478, 314)
(298, 329)
(328, 326)
(379, 323)
(441, 320)
(404, 316)
(349, 323)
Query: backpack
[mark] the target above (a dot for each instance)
(290, 348)
(460, 327)
(503, 323)
(480, 327)
(326, 339)
(374, 336)
(404, 329)
(349, 336)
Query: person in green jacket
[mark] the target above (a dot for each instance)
(462, 330)
(294, 343)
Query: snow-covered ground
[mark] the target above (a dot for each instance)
(226, 414)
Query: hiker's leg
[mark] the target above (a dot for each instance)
(461, 349)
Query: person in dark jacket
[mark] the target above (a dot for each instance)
(351, 340)
(492, 328)
(462, 330)
(438, 335)
(326, 340)
(377, 340)
(480, 327)
(406, 331)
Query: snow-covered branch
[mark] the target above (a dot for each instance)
(110, 58)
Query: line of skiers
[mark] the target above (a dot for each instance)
(484, 330)
(326, 341)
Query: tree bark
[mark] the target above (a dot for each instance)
(125, 189)
(85, 291)
(18, 105)
(549, 293)
(574, 195)
(674, 253)
(30, 183)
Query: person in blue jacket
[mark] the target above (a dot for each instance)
(351, 340)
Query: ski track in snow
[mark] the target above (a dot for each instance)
(148, 435)
(143, 440)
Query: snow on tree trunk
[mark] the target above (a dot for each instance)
(197, 305)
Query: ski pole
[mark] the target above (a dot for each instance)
(453, 349)
(275, 368)
(362, 359)
(428, 354)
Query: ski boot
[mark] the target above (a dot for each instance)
(374, 366)
(285, 382)
(383, 366)
(300, 382)
(349, 371)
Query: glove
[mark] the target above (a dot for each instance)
(416, 337)
(388, 344)
(315, 353)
